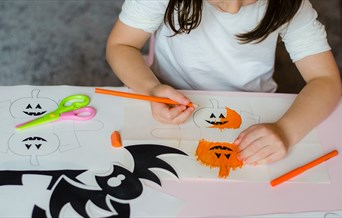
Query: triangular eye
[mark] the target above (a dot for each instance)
(222, 116)
(38, 107)
(212, 116)
(29, 106)
(218, 155)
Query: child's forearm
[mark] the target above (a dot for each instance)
(130, 67)
(313, 104)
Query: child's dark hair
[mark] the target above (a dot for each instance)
(189, 15)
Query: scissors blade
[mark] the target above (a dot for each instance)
(50, 117)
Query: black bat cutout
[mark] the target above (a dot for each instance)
(146, 156)
(77, 197)
(9, 177)
(66, 188)
(38, 212)
(128, 188)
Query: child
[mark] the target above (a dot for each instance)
(228, 45)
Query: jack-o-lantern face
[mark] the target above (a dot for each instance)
(218, 154)
(32, 106)
(34, 113)
(215, 117)
(213, 120)
(33, 145)
(37, 142)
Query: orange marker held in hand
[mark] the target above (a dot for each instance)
(303, 168)
(140, 97)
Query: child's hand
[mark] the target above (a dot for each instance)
(261, 144)
(173, 114)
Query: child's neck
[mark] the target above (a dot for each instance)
(230, 6)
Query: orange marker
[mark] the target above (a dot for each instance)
(116, 139)
(303, 168)
(141, 97)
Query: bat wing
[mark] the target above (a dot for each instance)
(146, 156)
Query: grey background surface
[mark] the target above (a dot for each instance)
(62, 42)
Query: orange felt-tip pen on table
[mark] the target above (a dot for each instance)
(140, 97)
(303, 168)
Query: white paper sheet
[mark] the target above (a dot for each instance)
(252, 110)
(70, 155)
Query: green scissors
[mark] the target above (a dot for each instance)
(72, 107)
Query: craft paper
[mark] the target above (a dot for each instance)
(75, 172)
(200, 127)
(69, 168)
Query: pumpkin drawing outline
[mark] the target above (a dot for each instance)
(221, 118)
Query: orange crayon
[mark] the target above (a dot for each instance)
(303, 168)
(140, 97)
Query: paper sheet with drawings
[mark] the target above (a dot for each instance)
(97, 152)
(38, 162)
(186, 136)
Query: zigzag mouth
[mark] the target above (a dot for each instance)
(216, 122)
(34, 113)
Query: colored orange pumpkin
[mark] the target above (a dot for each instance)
(218, 154)
(216, 117)
(231, 120)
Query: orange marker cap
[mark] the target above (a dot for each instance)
(116, 139)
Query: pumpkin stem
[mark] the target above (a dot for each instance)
(214, 103)
(35, 93)
(224, 171)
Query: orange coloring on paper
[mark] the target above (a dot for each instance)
(231, 120)
(218, 154)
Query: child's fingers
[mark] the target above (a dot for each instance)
(261, 154)
(167, 114)
(260, 141)
(252, 148)
(171, 93)
(269, 152)
(182, 117)
(270, 158)
(247, 137)
(180, 98)
(173, 112)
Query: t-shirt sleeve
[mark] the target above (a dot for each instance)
(147, 15)
(304, 35)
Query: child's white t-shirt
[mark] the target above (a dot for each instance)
(211, 58)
